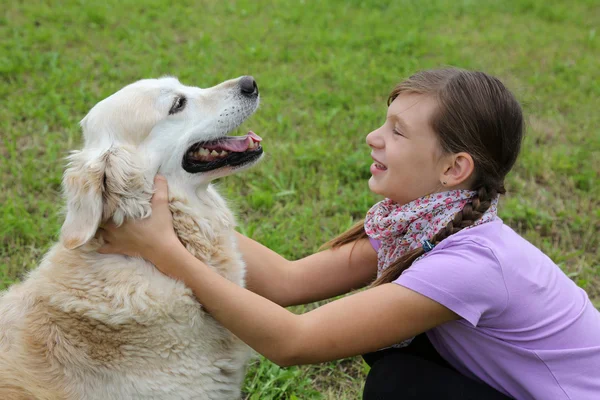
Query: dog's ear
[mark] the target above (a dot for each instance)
(100, 185)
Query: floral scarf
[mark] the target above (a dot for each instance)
(401, 228)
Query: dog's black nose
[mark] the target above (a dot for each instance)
(248, 86)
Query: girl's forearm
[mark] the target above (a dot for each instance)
(313, 278)
(265, 326)
(267, 273)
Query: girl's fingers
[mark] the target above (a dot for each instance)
(102, 233)
(161, 191)
(105, 249)
(107, 227)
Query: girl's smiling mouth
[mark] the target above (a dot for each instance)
(377, 167)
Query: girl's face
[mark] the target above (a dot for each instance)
(406, 152)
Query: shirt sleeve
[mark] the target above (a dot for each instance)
(375, 243)
(465, 277)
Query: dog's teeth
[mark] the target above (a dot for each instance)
(223, 153)
(250, 143)
(204, 151)
(214, 153)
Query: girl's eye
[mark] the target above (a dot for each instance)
(178, 105)
(397, 132)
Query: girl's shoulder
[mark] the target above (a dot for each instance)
(487, 270)
(500, 239)
(496, 246)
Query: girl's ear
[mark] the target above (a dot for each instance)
(458, 170)
(102, 184)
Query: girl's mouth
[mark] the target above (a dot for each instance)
(377, 164)
(377, 168)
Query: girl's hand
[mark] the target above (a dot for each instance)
(147, 238)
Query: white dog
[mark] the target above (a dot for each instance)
(89, 326)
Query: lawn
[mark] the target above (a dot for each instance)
(324, 70)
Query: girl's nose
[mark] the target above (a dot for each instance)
(375, 139)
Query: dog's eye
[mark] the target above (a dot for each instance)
(178, 105)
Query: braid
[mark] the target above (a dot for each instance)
(471, 212)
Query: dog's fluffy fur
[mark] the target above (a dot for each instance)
(89, 326)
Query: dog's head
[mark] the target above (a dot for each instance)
(154, 126)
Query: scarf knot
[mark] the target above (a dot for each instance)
(401, 228)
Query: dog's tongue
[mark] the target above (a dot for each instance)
(236, 144)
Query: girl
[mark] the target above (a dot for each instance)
(462, 306)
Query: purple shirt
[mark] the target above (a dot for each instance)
(526, 329)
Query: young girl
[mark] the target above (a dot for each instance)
(459, 306)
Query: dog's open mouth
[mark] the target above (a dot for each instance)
(228, 151)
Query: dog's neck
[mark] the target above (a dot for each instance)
(200, 210)
(204, 204)
(205, 226)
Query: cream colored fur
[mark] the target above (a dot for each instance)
(89, 326)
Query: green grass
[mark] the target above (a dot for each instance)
(324, 70)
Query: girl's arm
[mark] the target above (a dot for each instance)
(319, 276)
(356, 324)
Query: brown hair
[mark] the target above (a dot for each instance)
(476, 114)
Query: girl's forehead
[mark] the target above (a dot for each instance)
(412, 110)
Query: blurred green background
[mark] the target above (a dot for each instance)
(324, 70)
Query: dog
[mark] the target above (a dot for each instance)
(84, 325)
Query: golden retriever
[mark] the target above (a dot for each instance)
(84, 325)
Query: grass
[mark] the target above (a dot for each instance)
(324, 70)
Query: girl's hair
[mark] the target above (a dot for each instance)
(476, 114)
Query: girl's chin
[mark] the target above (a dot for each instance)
(379, 189)
(374, 186)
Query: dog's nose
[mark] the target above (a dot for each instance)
(248, 86)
